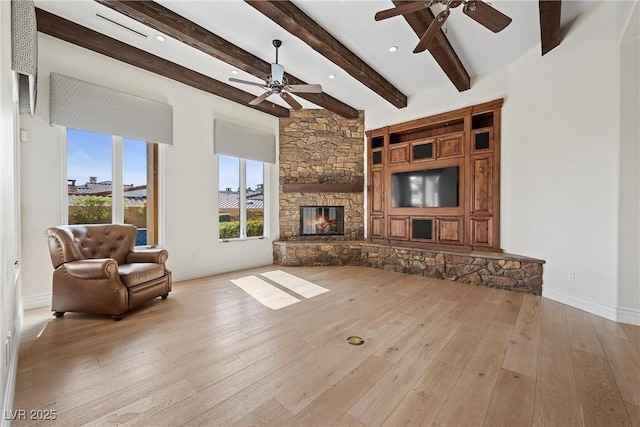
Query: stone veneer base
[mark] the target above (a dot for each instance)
(494, 270)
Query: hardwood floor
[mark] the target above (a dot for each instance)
(435, 353)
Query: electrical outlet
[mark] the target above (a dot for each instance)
(571, 276)
(194, 257)
(7, 349)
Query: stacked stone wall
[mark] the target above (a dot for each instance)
(501, 271)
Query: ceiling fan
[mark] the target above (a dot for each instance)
(477, 10)
(276, 83)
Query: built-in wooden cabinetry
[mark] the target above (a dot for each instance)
(466, 141)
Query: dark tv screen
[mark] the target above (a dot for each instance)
(428, 188)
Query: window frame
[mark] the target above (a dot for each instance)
(242, 204)
(154, 153)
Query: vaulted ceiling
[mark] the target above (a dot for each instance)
(206, 43)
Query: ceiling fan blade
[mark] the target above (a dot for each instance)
(432, 31)
(486, 15)
(401, 10)
(289, 100)
(305, 88)
(247, 82)
(261, 98)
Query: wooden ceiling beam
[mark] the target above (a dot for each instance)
(550, 12)
(168, 22)
(295, 21)
(71, 32)
(440, 49)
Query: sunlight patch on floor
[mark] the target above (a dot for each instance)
(273, 297)
(265, 293)
(295, 284)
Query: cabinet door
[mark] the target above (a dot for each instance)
(449, 230)
(377, 191)
(399, 228)
(482, 189)
(450, 145)
(482, 232)
(399, 154)
(377, 227)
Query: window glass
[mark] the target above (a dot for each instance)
(88, 177)
(136, 190)
(240, 198)
(255, 198)
(229, 197)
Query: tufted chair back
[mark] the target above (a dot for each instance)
(75, 242)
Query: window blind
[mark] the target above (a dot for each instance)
(82, 105)
(24, 53)
(234, 140)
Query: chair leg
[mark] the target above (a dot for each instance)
(117, 317)
(58, 313)
(164, 296)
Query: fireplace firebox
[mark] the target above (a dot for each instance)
(322, 220)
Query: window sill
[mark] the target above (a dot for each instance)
(242, 239)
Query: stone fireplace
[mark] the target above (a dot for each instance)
(321, 165)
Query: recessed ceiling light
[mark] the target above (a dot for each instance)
(160, 38)
(234, 71)
(332, 76)
(393, 48)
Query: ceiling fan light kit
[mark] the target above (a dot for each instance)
(276, 84)
(479, 11)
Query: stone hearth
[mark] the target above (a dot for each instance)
(494, 270)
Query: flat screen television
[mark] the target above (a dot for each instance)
(428, 188)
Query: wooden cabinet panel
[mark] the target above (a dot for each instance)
(481, 140)
(399, 228)
(482, 188)
(377, 227)
(481, 231)
(399, 154)
(377, 191)
(449, 230)
(422, 150)
(450, 145)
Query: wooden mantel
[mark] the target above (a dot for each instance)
(356, 187)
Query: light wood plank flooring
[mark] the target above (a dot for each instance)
(435, 353)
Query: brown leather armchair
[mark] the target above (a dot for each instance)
(98, 271)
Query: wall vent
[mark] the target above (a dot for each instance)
(119, 25)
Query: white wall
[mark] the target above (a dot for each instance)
(629, 227)
(10, 299)
(560, 156)
(190, 181)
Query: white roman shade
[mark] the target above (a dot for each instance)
(82, 105)
(24, 53)
(234, 140)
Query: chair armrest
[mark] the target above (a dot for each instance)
(157, 256)
(101, 268)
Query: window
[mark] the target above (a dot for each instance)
(240, 198)
(111, 179)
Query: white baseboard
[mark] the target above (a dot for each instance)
(629, 315)
(211, 271)
(617, 314)
(37, 301)
(10, 386)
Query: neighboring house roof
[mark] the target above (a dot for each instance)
(231, 200)
(135, 196)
